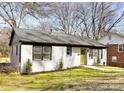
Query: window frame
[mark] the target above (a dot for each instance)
(121, 47)
(42, 53)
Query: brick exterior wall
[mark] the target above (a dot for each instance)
(112, 50)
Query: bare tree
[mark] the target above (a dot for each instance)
(65, 17)
(88, 19)
(97, 18)
(44, 26)
(14, 14)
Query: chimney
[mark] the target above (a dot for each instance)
(51, 30)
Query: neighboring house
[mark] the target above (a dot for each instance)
(47, 49)
(115, 50)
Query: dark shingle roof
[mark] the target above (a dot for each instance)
(35, 36)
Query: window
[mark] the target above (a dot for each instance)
(120, 48)
(37, 52)
(16, 50)
(114, 58)
(46, 52)
(69, 51)
(42, 52)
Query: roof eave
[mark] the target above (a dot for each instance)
(60, 44)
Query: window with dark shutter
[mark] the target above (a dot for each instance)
(69, 50)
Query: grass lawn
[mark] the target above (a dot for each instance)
(72, 79)
(112, 68)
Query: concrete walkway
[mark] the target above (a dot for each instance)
(102, 69)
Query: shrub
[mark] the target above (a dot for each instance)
(60, 64)
(28, 67)
(7, 68)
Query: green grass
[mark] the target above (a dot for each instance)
(112, 68)
(72, 79)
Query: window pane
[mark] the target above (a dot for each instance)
(37, 51)
(46, 49)
(46, 56)
(37, 56)
(46, 52)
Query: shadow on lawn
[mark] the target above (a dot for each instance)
(87, 86)
(57, 87)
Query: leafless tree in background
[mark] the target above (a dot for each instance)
(14, 14)
(89, 19)
(98, 18)
(44, 26)
(64, 15)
